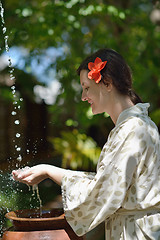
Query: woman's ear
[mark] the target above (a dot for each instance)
(108, 84)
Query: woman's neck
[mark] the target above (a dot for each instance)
(119, 104)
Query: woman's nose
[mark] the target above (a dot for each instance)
(84, 97)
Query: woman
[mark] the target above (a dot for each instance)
(125, 190)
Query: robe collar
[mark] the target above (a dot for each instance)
(138, 109)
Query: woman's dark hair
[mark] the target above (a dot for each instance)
(116, 70)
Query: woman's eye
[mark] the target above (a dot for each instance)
(86, 89)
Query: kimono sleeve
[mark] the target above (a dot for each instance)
(89, 199)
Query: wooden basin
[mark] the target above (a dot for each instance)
(31, 225)
(32, 220)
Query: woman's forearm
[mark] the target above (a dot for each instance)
(55, 173)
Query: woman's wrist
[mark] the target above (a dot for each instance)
(54, 173)
(46, 170)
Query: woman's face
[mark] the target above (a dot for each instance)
(92, 92)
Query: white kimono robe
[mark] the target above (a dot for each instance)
(125, 190)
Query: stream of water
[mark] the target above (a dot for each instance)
(16, 98)
(16, 107)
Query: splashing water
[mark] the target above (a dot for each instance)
(18, 135)
(10, 188)
(17, 122)
(16, 99)
(35, 189)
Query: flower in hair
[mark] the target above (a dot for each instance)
(96, 68)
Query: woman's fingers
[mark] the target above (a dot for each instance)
(31, 176)
(24, 178)
(21, 173)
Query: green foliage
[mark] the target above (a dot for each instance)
(81, 27)
(6, 94)
(155, 116)
(78, 150)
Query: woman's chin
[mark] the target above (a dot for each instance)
(94, 111)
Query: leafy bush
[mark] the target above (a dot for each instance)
(78, 150)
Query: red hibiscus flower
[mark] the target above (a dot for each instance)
(95, 68)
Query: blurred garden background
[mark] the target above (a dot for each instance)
(47, 41)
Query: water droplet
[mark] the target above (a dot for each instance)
(12, 70)
(19, 158)
(19, 107)
(21, 99)
(17, 122)
(4, 30)
(15, 102)
(9, 60)
(13, 87)
(7, 47)
(18, 149)
(13, 113)
(18, 135)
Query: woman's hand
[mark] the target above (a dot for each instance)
(38, 173)
(31, 176)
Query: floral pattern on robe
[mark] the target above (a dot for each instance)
(125, 190)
